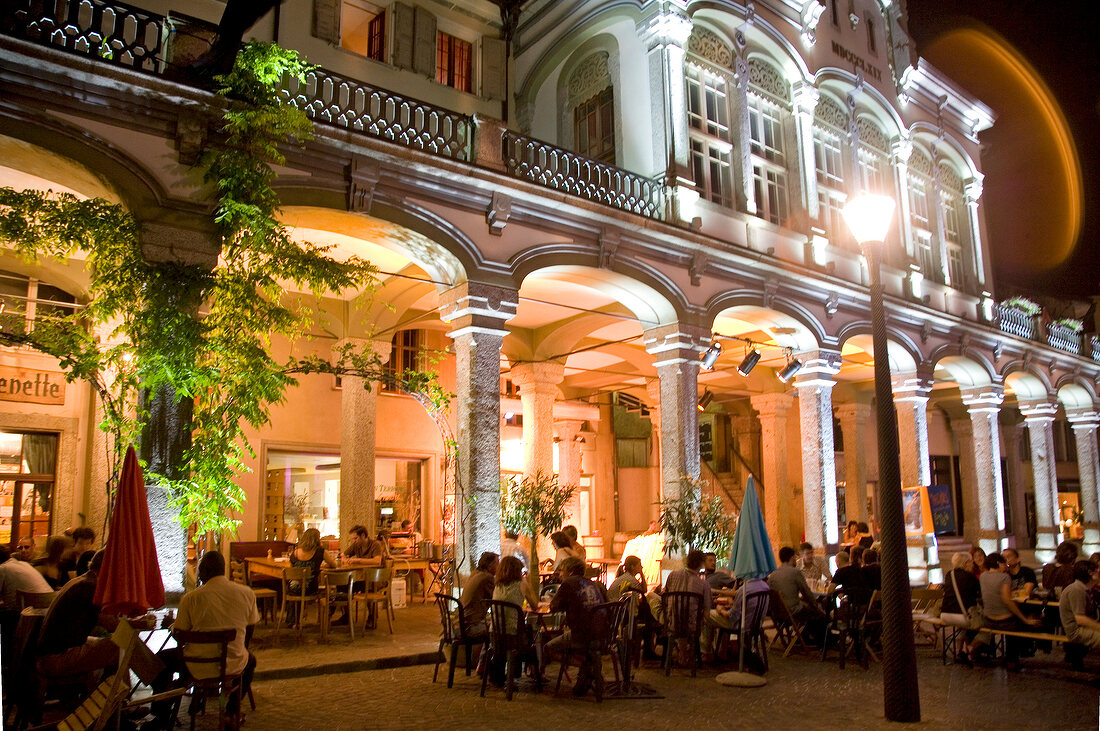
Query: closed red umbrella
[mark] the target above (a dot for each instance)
(129, 581)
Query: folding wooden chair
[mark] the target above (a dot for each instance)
(788, 630)
(98, 708)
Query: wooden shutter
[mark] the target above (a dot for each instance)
(403, 36)
(326, 20)
(494, 60)
(424, 43)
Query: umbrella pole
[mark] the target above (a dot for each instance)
(741, 637)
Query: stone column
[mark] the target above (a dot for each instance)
(805, 99)
(900, 151)
(1084, 424)
(984, 404)
(973, 192)
(477, 313)
(814, 384)
(1039, 418)
(538, 388)
(911, 399)
(773, 409)
(665, 33)
(675, 351)
(853, 425)
(569, 463)
(1013, 476)
(358, 429)
(964, 436)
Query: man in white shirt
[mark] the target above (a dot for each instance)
(15, 576)
(216, 605)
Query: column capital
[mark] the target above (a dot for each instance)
(671, 27)
(1083, 418)
(675, 343)
(772, 404)
(478, 308)
(911, 387)
(805, 97)
(853, 410)
(983, 398)
(1037, 412)
(818, 369)
(534, 377)
(567, 428)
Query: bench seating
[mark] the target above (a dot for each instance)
(949, 634)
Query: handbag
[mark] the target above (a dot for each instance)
(973, 613)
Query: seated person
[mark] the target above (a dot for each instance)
(76, 560)
(1073, 606)
(716, 577)
(574, 539)
(960, 585)
(871, 571)
(53, 566)
(65, 644)
(509, 585)
(563, 548)
(1023, 578)
(509, 546)
(630, 576)
(813, 567)
(217, 604)
(307, 554)
(851, 535)
(477, 594)
(999, 610)
(576, 596)
(792, 588)
(863, 535)
(15, 576)
(361, 550)
(690, 579)
(25, 550)
(849, 578)
(1060, 573)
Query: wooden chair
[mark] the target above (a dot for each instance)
(508, 643)
(265, 598)
(194, 651)
(302, 576)
(926, 607)
(35, 599)
(871, 627)
(846, 624)
(455, 634)
(98, 708)
(604, 623)
(788, 630)
(336, 590)
(683, 612)
(377, 580)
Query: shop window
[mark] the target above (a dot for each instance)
(302, 490)
(28, 462)
(397, 491)
(363, 29)
(454, 62)
(594, 127)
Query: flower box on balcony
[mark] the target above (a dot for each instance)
(1094, 343)
(1016, 321)
(1064, 337)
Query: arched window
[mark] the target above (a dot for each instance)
(956, 236)
(592, 101)
(830, 125)
(920, 215)
(708, 99)
(768, 105)
(26, 298)
(873, 155)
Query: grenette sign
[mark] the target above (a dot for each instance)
(31, 387)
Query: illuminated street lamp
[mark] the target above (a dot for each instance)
(869, 217)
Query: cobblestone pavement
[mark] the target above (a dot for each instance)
(802, 692)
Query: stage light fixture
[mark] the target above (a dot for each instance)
(792, 367)
(711, 355)
(750, 361)
(705, 400)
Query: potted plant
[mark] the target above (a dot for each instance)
(691, 521)
(1017, 316)
(1022, 304)
(534, 506)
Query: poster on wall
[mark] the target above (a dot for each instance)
(918, 513)
(943, 509)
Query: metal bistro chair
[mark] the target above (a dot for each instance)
(756, 609)
(602, 639)
(336, 590)
(846, 624)
(508, 641)
(455, 634)
(683, 612)
(222, 686)
(301, 575)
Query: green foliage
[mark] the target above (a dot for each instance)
(1023, 304)
(534, 506)
(693, 521)
(1071, 323)
(150, 311)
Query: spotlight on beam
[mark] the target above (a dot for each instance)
(750, 361)
(794, 366)
(711, 355)
(705, 400)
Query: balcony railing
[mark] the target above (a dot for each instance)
(331, 99)
(545, 164)
(1016, 322)
(112, 32)
(1063, 338)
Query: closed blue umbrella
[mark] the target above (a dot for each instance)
(750, 558)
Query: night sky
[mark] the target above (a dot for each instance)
(1024, 192)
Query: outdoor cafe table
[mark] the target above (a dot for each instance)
(264, 566)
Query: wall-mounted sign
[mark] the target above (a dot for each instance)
(32, 387)
(918, 512)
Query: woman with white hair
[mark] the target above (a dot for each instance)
(961, 591)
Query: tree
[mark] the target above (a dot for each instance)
(202, 333)
(692, 521)
(534, 506)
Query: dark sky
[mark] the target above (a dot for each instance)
(1059, 39)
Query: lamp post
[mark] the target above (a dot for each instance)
(869, 217)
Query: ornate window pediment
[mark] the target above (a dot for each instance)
(919, 162)
(708, 45)
(871, 135)
(831, 114)
(767, 78)
(592, 76)
(949, 179)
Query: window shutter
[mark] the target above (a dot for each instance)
(326, 20)
(494, 57)
(402, 36)
(424, 43)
